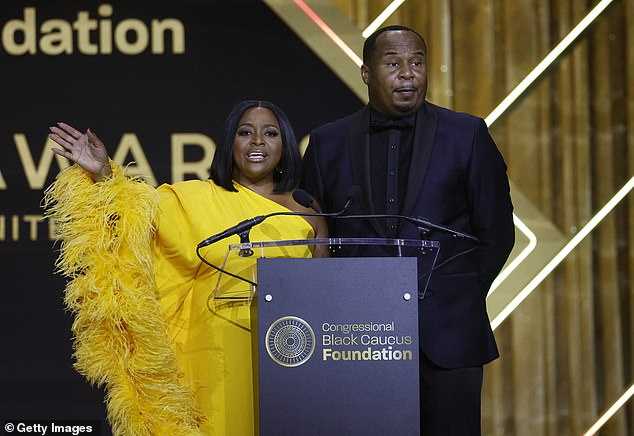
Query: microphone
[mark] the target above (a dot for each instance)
(354, 194)
(302, 197)
(306, 200)
(238, 228)
(422, 222)
(419, 222)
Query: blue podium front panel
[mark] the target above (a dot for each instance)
(337, 343)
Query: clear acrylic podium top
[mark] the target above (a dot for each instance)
(240, 259)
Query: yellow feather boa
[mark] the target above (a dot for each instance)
(120, 336)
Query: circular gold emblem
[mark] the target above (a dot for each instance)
(290, 341)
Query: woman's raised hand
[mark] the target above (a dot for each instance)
(85, 149)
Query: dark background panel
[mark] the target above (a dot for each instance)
(234, 50)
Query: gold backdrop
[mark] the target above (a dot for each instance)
(568, 348)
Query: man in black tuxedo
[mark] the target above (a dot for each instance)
(413, 158)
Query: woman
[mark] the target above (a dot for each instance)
(174, 359)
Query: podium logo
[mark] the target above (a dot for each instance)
(290, 341)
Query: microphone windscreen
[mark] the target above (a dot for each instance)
(302, 197)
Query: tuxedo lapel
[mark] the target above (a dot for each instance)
(359, 141)
(426, 124)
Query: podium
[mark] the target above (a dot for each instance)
(335, 340)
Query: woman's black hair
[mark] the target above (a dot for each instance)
(287, 172)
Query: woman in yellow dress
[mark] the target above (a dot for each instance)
(173, 359)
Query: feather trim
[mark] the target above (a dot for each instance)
(120, 336)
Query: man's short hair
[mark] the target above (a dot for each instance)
(369, 45)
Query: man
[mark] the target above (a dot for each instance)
(413, 158)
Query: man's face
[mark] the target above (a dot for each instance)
(396, 73)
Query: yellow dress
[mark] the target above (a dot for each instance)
(212, 337)
(172, 359)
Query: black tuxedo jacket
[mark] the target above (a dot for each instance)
(457, 178)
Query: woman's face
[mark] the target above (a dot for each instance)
(257, 147)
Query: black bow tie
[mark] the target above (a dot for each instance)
(380, 124)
